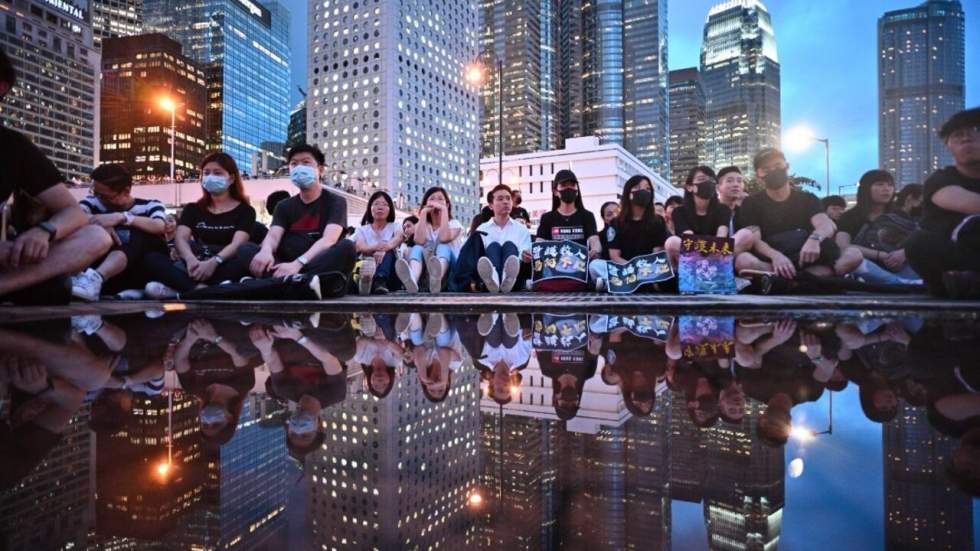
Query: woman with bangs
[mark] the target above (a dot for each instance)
(437, 243)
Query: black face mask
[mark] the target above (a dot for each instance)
(776, 179)
(641, 197)
(706, 189)
(568, 195)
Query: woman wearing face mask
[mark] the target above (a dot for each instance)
(567, 221)
(609, 212)
(376, 241)
(437, 243)
(701, 214)
(635, 232)
(212, 238)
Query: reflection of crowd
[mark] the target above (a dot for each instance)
(50, 369)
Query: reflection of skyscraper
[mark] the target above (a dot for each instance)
(740, 71)
(744, 489)
(687, 452)
(922, 509)
(394, 473)
(921, 83)
(49, 508)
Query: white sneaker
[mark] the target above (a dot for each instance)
(600, 285)
(159, 291)
(315, 287)
(404, 273)
(435, 325)
(87, 285)
(368, 326)
(485, 324)
(130, 294)
(512, 267)
(368, 267)
(434, 267)
(512, 324)
(89, 325)
(488, 274)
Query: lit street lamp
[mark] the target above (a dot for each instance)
(169, 104)
(800, 138)
(476, 74)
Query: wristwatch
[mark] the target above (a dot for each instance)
(50, 229)
(129, 219)
(217, 258)
(303, 260)
(815, 237)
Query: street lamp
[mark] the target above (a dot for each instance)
(476, 75)
(800, 138)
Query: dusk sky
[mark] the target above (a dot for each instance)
(828, 56)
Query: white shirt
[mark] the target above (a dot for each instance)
(376, 349)
(513, 232)
(455, 244)
(517, 356)
(372, 237)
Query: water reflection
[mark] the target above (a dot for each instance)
(493, 430)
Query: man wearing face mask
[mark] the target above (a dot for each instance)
(790, 230)
(568, 220)
(305, 236)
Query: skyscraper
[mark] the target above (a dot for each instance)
(297, 125)
(243, 46)
(740, 74)
(687, 118)
(55, 101)
(922, 508)
(921, 83)
(138, 73)
(388, 102)
(522, 35)
(115, 18)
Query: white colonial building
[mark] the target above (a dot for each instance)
(601, 171)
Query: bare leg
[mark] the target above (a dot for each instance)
(849, 260)
(819, 271)
(673, 248)
(113, 265)
(70, 255)
(744, 241)
(748, 261)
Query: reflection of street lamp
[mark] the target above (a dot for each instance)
(476, 74)
(805, 434)
(799, 138)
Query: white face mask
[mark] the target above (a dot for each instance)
(303, 176)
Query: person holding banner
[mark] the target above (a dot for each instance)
(637, 232)
(506, 243)
(701, 214)
(567, 222)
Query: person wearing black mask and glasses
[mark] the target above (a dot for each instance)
(701, 214)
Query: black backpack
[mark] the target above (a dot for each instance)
(887, 233)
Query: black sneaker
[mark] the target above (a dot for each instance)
(380, 290)
(961, 284)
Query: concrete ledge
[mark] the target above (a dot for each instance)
(854, 304)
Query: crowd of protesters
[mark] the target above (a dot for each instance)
(784, 239)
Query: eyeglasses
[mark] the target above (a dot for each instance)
(965, 134)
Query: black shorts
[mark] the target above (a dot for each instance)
(791, 242)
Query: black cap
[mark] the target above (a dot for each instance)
(564, 175)
(963, 119)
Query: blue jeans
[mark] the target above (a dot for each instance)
(499, 253)
(385, 271)
(882, 276)
(443, 250)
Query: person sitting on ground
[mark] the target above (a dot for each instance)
(568, 221)
(946, 251)
(518, 212)
(505, 352)
(486, 213)
(875, 198)
(136, 225)
(672, 203)
(731, 190)
(212, 236)
(609, 212)
(909, 201)
(636, 232)
(34, 265)
(506, 243)
(408, 236)
(260, 230)
(833, 206)
(791, 232)
(376, 241)
(307, 228)
(701, 214)
(438, 238)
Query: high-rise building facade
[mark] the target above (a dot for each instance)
(520, 35)
(614, 75)
(140, 74)
(921, 83)
(687, 118)
(740, 74)
(243, 46)
(297, 125)
(388, 100)
(115, 18)
(56, 98)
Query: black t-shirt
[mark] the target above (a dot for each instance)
(24, 166)
(310, 219)
(852, 221)
(217, 230)
(519, 213)
(604, 240)
(637, 238)
(935, 218)
(718, 215)
(578, 227)
(775, 217)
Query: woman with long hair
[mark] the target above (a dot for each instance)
(212, 237)
(609, 211)
(635, 232)
(701, 214)
(875, 198)
(437, 243)
(376, 241)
